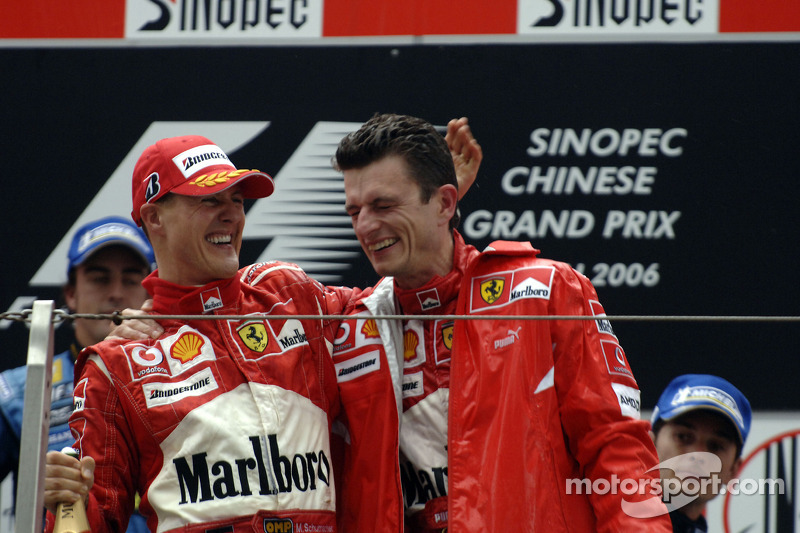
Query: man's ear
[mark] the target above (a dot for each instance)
(737, 465)
(69, 296)
(448, 202)
(151, 218)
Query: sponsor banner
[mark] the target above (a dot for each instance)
(223, 19)
(613, 18)
(227, 20)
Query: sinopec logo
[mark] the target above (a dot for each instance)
(224, 18)
(617, 16)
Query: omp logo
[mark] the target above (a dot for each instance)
(278, 525)
(267, 471)
(156, 394)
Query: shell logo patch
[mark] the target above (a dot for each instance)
(370, 329)
(254, 336)
(410, 342)
(187, 347)
(492, 289)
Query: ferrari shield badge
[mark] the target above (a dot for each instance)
(254, 335)
(492, 289)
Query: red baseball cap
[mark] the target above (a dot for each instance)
(190, 165)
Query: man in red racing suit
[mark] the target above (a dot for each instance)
(220, 425)
(491, 438)
(499, 424)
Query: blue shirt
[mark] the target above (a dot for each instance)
(12, 397)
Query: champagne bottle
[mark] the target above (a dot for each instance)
(71, 517)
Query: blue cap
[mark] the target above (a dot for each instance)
(108, 231)
(703, 391)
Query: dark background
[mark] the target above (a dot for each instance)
(70, 115)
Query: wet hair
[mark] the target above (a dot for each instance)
(415, 140)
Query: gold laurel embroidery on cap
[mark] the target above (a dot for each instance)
(209, 180)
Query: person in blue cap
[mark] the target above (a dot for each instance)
(698, 415)
(106, 263)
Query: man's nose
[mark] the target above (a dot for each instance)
(365, 223)
(116, 289)
(231, 211)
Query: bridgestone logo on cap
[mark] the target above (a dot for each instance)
(198, 158)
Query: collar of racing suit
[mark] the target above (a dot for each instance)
(171, 298)
(440, 294)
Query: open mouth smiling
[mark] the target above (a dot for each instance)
(219, 239)
(381, 245)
